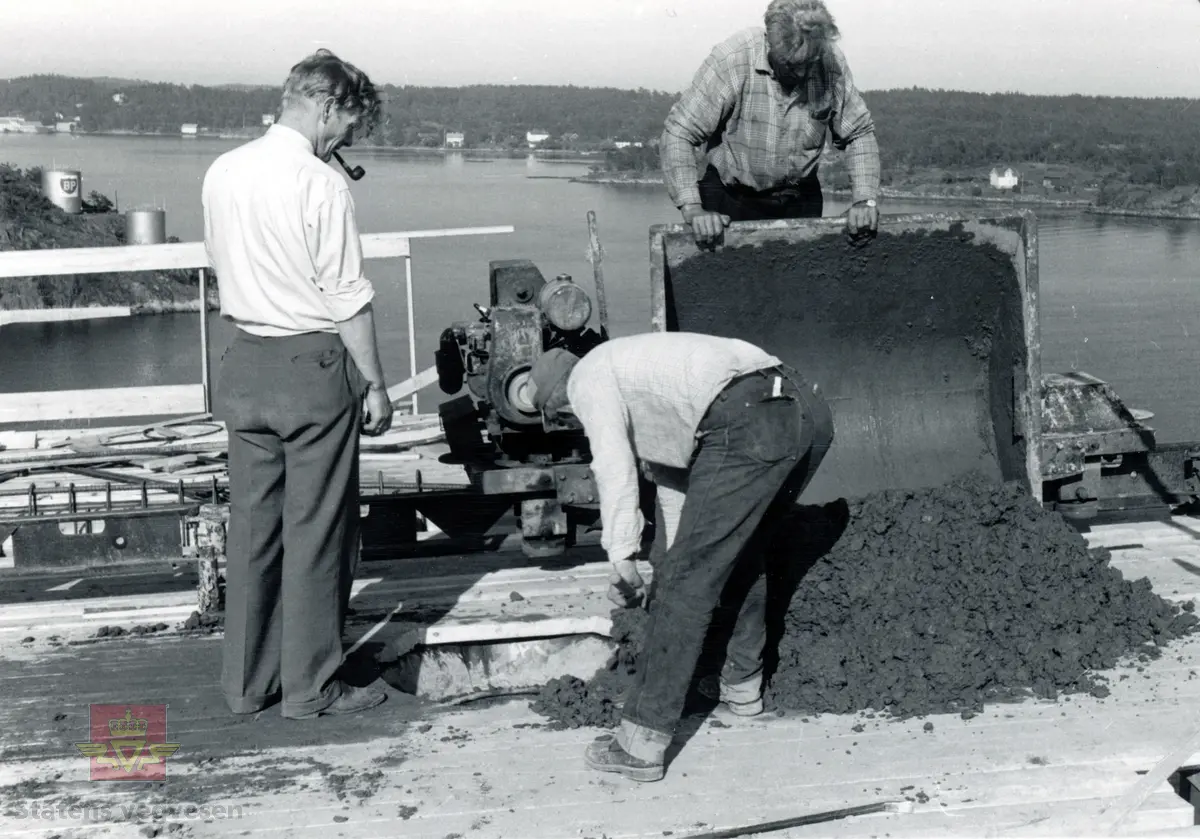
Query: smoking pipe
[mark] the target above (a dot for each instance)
(355, 174)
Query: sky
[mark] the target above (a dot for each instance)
(1144, 48)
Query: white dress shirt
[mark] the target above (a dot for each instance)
(280, 232)
(643, 397)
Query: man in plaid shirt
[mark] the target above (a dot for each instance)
(731, 436)
(760, 108)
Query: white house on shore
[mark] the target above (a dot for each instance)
(454, 139)
(1004, 177)
(189, 129)
(19, 125)
(533, 138)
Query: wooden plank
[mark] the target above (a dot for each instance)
(447, 231)
(53, 262)
(403, 436)
(458, 608)
(1168, 579)
(529, 781)
(167, 430)
(1120, 810)
(188, 255)
(173, 463)
(44, 406)
(1129, 533)
(489, 631)
(57, 315)
(17, 440)
(410, 386)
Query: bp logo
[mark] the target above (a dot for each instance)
(69, 185)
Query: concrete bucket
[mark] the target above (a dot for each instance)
(924, 340)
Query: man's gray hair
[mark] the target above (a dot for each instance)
(791, 23)
(323, 74)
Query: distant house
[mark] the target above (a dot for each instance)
(534, 138)
(268, 119)
(1004, 177)
(622, 144)
(64, 127)
(189, 129)
(119, 98)
(19, 125)
(454, 139)
(1056, 178)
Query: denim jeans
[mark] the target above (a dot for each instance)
(756, 453)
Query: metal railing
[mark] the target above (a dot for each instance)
(174, 399)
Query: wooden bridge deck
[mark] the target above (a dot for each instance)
(1082, 766)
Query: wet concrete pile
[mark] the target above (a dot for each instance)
(574, 703)
(916, 602)
(940, 600)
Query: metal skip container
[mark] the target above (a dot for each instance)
(145, 227)
(64, 188)
(924, 340)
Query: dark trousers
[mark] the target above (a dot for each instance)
(743, 204)
(756, 454)
(292, 408)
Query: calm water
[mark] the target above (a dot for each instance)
(1120, 297)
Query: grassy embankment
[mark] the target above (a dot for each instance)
(29, 221)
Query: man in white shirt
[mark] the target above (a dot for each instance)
(298, 383)
(742, 435)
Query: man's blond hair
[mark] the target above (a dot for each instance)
(322, 75)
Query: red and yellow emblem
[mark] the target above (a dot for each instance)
(128, 743)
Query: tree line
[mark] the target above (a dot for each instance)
(488, 116)
(1145, 141)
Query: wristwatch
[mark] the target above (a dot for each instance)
(870, 202)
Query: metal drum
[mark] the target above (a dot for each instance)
(145, 227)
(64, 187)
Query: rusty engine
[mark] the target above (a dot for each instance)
(508, 450)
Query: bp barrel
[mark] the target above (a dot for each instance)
(64, 187)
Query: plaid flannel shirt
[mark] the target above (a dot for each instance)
(767, 139)
(642, 397)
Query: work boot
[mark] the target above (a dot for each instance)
(606, 755)
(352, 701)
(743, 703)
